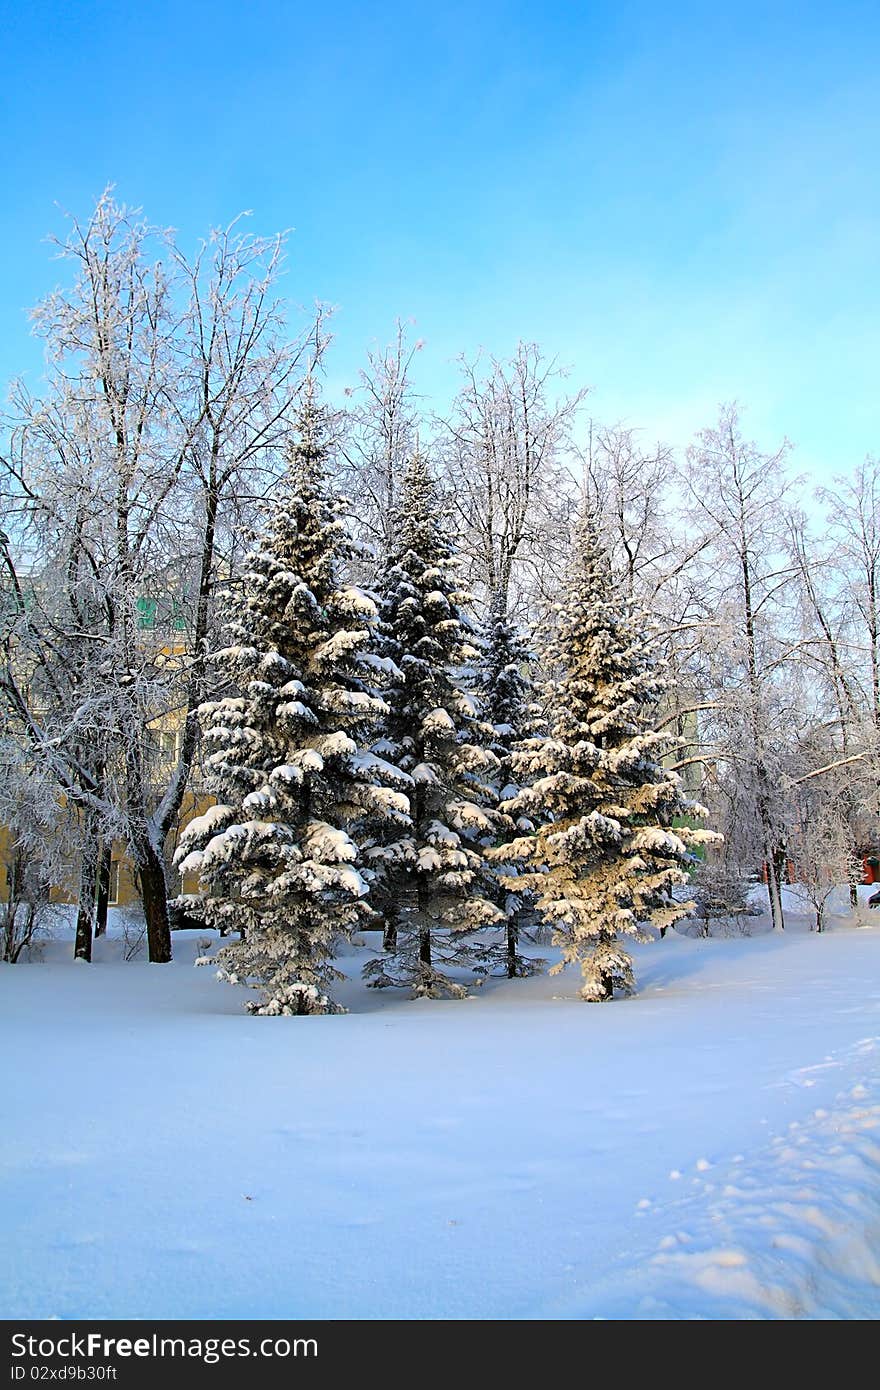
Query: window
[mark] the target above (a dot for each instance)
(114, 882)
(146, 611)
(162, 744)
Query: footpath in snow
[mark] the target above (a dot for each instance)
(707, 1149)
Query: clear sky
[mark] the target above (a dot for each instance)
(680, 200)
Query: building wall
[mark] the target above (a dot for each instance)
(124, 891)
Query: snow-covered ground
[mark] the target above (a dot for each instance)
(707, 1149)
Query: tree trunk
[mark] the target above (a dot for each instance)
(820, 917)
(389, 935)
(780, 864)
(85, 911)
(763, 802)
(424, 930)
(512, 943)
(774, 853)
(773, 888)
(102, 892)
(82, 946)
(10, 912)
(154, 897)
(25, 937)
(145, 844)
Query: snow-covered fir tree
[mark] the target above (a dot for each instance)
(288, 756)
(601, 856)
(433, 886)
(506, 694)
(503, 682)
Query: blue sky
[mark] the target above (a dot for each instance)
(681, 203)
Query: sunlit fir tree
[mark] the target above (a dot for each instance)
(603, 855)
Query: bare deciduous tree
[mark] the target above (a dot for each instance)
(737, 493)
(171, 394)
(505, 447)
(382, 434)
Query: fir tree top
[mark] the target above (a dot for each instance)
(503, 681)
(608, 668)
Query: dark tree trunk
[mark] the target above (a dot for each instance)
(425, 946)
(774, 854)
(82, 946)
(144, 844)
(780, 864)
(27, 935)
(424, 929)
(389, 935)
(85, 911)
(512, 943)
(775, 881)
(102, 892)
(154, 897)
(10, 911)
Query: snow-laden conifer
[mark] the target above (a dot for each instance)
(602, 856)
(433, 884)
(506, 695)
(503, 682)
(288, 753)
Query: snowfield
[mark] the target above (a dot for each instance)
(707, 1149)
